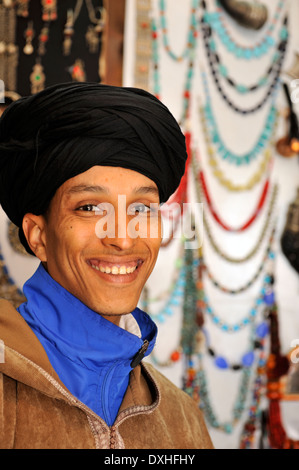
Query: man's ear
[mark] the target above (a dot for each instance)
(34, 231)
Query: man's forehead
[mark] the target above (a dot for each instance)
(105, 180)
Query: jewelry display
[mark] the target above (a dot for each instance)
(217, 69)
(190, 56)
(264, 167)
(96, 28)
(29, 35)
(69, 27)
(246, 286)
(216, 21)
(217, 218)
(37, 77)
(49, 10)
(192, 31)
(43, 39)
(257, 392)
(266, 224)
(143, 47)
(9, 51)
(216, 138)
(22, 8)
(77, 71)
(248, 357)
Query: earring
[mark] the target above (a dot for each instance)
(29, 35)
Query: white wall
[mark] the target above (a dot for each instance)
(239, 133)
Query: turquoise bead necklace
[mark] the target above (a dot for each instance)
(216, 138)
(220, 70)
(156, 87)
(217, 66)
(174, 295)
(216, 21)
(265, 296)
(192, 31)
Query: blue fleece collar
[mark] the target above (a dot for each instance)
(91, 355)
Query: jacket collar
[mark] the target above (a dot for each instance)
(92, 356)
(26, 361)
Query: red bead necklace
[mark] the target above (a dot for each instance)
(226, 227)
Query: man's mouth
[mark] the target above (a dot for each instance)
(123, 268)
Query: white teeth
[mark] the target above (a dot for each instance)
(115, 269)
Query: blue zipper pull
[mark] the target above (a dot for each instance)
(140, 354)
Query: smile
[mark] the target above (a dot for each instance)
(122, 268)
(115, 269)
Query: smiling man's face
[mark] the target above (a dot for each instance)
(105, 270)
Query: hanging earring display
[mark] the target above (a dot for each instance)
(68, 31)
(37, 78)
(49, 12)
(96, 28)
(8, 49)
(22, 8)
(77, 71)
(29, 35)
(43, 39)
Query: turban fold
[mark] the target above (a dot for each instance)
(66, 129)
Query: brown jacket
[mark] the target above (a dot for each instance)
(38, 412)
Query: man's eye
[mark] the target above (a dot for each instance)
(135, 209)
(90, 208)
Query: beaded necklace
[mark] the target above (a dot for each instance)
(156, 71)
(257, 393)
(265, 165)
(276, 66)
(246, 286)
(216, 21)
(265, 296)
(192, 31)
(247, 358)
(198, 382)
(260, 238)
(215, 137)
(173, 295)
(227, 228)
(217, 67)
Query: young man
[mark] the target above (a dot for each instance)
(83, 169)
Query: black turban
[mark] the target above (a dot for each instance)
(64, 130)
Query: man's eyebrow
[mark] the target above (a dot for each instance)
(147, 190)
(83, 188)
